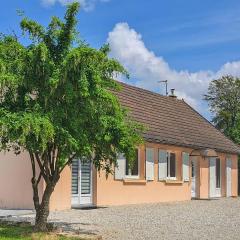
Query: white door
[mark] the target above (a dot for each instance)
(214, 177)
(194, 178)
(81, 183)
(229, 177)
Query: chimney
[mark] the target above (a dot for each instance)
(173, 93)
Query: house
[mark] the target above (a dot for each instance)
(184, 157)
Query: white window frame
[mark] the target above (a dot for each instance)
(168, 166)
(133, 176)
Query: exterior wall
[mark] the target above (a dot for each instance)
(234, 175)
(94, 186)
(223, 174)
(15, 181)
(61, 197)
(118, 192)
(203, 178)
(203, 175)
(16, 189)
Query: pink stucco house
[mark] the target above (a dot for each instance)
(184, 157)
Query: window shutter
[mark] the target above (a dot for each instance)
(162, 165)
(185, 166)
(120, 169)
(149, 164)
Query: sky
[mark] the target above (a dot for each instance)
(189, 43)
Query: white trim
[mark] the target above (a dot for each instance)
(171, 178)
(131, 177)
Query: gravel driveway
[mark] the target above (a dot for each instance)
(197, 219)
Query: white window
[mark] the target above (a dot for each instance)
(125, 169)
(132, 168)
(171, 165)
(167, 165)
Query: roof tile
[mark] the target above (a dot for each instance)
(172, 121)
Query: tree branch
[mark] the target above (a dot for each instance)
(68, 162)
(46, 178)
(52, 160)
(39, 178)
(33, 164)
(34, 182)
(46, 163)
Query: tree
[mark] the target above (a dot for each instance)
(224, 100)
(57, 102)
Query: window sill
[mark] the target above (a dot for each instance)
(170, 181)
(134, 181)
(135, 177)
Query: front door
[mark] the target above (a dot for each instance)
(81, 183)
(229, 177)
(215, 177)
(194, 178)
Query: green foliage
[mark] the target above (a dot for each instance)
(224, 101)
(26, 232)
(57, 95)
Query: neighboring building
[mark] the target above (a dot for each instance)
(184, 157)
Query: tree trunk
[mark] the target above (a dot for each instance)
(42, 211)
(50, 172)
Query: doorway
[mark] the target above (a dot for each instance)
(81, 183)
(229, 177)
(215, 177)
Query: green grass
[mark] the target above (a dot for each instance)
(9, 232)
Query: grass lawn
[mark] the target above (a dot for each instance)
(8, 232)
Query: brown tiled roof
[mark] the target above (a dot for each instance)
(172, 121)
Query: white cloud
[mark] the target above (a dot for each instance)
(147, 68)
(87, 5)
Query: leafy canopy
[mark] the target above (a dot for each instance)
(58, 93)
(224, 100)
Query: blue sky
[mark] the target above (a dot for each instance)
(187, 42)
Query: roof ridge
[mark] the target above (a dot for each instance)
(147, 91)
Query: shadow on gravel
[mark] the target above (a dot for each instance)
(69, 227)
(205, 199)
(87, 208)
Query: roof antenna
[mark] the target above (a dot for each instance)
(166, 85)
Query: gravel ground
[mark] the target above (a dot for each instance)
(197, 219)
